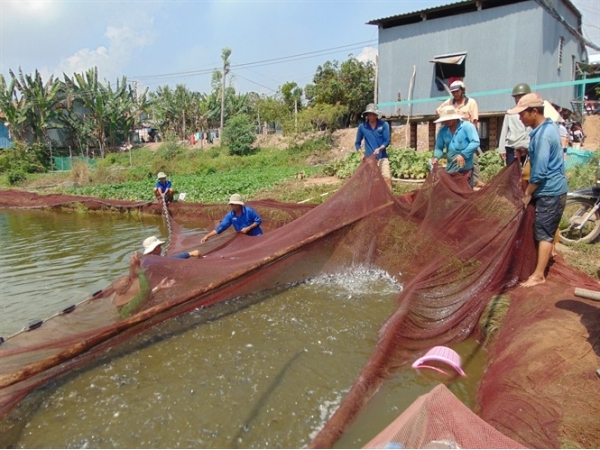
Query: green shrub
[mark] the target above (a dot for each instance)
(490, 164)
(15, 176)
(239, 135)
(139, 173)
(583, 175)
(169, 150)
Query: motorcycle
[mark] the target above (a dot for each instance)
(580, 221)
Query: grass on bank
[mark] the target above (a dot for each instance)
(212, 175)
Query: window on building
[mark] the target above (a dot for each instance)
(573, 68)
(561, 42)
(450, 66)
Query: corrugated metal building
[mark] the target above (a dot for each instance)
(491, 44)
(6, 140)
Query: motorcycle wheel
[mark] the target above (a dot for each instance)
(575, 212)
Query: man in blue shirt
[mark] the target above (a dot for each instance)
(547, 187)
(153, 246)
(163, 188)
(376, 134)
(243, 218)
(460, 140)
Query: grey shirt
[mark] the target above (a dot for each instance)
(514, 134)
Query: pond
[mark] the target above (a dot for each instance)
(263, 371)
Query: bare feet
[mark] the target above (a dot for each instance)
(533, 280)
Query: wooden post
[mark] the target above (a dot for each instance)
(493, 135)
(431, 134)
(413, 135)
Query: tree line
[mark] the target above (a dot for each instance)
(101, 115)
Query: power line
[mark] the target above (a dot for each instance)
(254, 82)
(261, 63)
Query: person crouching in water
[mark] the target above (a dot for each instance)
(243, 218)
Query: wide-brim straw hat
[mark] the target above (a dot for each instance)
(124, 291)
(151, 243)
(372, 108)
(236, 199)
(448, 112)
(161, 175)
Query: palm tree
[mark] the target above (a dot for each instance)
(13, 109)
(39, 102)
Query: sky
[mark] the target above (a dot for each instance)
(169, 42)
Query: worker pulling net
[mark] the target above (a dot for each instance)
(453, 249)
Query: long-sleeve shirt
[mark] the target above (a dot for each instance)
(547, 165)
(464, 141)
(374, 138)
(245, 219)
(184, 255)
(469, 109)
(514, 134)
(163, 186)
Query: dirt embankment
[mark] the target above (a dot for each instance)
(591, 129)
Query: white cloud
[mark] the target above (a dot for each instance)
(33, 9)
(367, 54)
(110, 60)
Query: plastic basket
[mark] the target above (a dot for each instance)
(577, 157)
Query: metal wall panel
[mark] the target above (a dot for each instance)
(505, 45)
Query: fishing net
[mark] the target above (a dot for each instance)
(437, 420)
(453, 249)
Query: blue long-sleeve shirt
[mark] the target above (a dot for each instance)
(546, 158)
(184, 255)
(247, 218)
(374, 137)
(163, 186)
(464, 141)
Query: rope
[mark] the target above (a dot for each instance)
(169, 225)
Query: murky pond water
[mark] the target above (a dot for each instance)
(264, 371)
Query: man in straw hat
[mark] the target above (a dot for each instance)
(469, 110)
(153, 246)
(376, 135)
(163, 188)
(547, 188)
(243, 218)
(133, 291)
(459, 139)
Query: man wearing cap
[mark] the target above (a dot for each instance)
(243, 218)
(153, 246)
(547, 188)
(469, 111)
(376, 134)
(163, 188)
(514, 135)
(460, 140)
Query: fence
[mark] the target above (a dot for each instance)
(66, 162)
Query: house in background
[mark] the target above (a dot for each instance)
(6, 140)
(491, 45)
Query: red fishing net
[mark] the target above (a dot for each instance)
(439, 420)
(451, 247)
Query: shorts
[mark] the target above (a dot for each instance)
(548, 212)
(384, 167)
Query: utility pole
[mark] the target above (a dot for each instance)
(296, 114)
(376, 76)
(225, 56)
